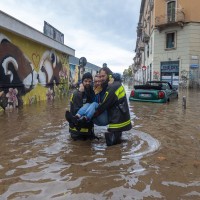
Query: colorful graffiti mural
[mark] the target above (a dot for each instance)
(156, 75)
(73, 78)
(26, 79)
(76, 74)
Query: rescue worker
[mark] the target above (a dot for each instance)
(79, 97)
(115, 102)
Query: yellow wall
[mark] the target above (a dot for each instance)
(44, 71)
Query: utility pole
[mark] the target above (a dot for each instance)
(184, 78)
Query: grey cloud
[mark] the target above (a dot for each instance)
(112, 21)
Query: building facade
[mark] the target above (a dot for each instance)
(76, 72)
(33, 66)
(168, 42)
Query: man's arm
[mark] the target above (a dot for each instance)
(108, 101)
(76, 102)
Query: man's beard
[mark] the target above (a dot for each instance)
(104, 84)
(89, 93)
(88, 88)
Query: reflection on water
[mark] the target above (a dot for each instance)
(158, 159)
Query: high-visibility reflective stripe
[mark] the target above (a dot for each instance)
(105, 96)
(119, 125)
(85, 130)
(120, 92)
(71, 97)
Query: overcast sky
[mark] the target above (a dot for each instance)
(103, 31)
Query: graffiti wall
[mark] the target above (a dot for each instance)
(30, 72)
(73, 75)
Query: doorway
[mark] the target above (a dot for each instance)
(170, 72)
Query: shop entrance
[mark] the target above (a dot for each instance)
(170, 72)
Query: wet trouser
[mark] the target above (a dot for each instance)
(89, 109)
(113, 138)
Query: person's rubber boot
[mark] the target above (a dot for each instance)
(68, 116)
(82, 121)
(118, 136)
(110, 138)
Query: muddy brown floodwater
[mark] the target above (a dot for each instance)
(158, 159)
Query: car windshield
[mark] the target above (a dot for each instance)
(154, 84)
(161, 85)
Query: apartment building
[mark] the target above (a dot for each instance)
(168, 42)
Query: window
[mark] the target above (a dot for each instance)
(148, 50)
(171, 11)
(170, 40)
(151, 43)
(165, 86)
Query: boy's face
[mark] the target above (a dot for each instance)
(87, 82)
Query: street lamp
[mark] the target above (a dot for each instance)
(81, 68)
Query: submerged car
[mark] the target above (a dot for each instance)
(154, 91)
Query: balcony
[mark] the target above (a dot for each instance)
(141, 46)
(165, 21)
(137, 62)
(145, 37)
(139, 29)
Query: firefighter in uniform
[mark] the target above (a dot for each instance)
(79, 97)
(115, 102)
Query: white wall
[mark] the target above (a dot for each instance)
(188, 44)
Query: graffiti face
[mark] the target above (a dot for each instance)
(18, 76)
(50, 67)
(15, 67)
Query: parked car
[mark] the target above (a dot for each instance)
(154, 91)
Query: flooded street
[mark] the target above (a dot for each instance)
(158, 159)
